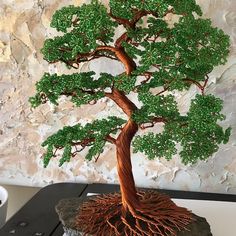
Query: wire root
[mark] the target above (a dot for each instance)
(157, 215)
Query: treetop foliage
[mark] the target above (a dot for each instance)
(125, 9)
(166, 56)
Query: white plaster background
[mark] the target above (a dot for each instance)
(24, 25)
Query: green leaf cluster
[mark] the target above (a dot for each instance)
(92, 135)
(128, 8)
(82, 87)
(189, 50)
(155, 106)
(200, 46)
(198, 133)
(125, 83)
(83, 27)
(63, 19)
(155, 145)
(202, 136)
(185, 7)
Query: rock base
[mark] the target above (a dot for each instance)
(67, 209)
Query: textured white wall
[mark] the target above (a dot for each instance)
(24, 25)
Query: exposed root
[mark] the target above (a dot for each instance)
(157, 215)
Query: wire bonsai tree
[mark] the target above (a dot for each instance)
(154, 54)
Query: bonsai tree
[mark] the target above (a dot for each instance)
(155, 54)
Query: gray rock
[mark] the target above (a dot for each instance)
(200, 227)
(67, 209)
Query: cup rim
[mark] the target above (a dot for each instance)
(5, 193)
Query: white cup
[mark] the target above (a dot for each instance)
(3, 205)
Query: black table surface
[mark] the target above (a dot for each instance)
(38, 217)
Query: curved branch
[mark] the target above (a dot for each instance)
(140, 14)
(191, 81)
(74, 94)
(87, 142)
(123, 38)
(122, 56)
(117, 96)
(154, 121)
(77, 151)
(205, 84)
(132, 23)
(119, 20)
(122, 101)
(93, 57)
(201, 87)
(119, 53)
(148, 76)
(111, 139)
(83, 143)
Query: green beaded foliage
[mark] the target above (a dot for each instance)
(156, 106)
(83, 27)
(189, 50)
(197, 132)
(202, 135)
(155, 145)
(82, 88)
(170, 57)
(127, 8)
(93, 135)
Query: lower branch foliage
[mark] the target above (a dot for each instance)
(198, 132)
(93, 135)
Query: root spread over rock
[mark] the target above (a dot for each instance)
(157, 215)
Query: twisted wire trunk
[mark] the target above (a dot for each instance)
(129, 195)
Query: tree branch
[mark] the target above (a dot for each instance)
(122, 56)
(119, 20)
(132, 23)
(87, 142)
(117, 96)
(153, 122)
(201, 87)
(111, 139)
(77, 151)
(191, 81)
(83, 143)
(205, 84)
(74, 94)
(140, 14)
(122, 101)
(148, 75)
(123, 38)
(119, 53)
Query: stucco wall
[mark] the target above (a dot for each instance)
(24, 25)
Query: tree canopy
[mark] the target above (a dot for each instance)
(155, 54)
